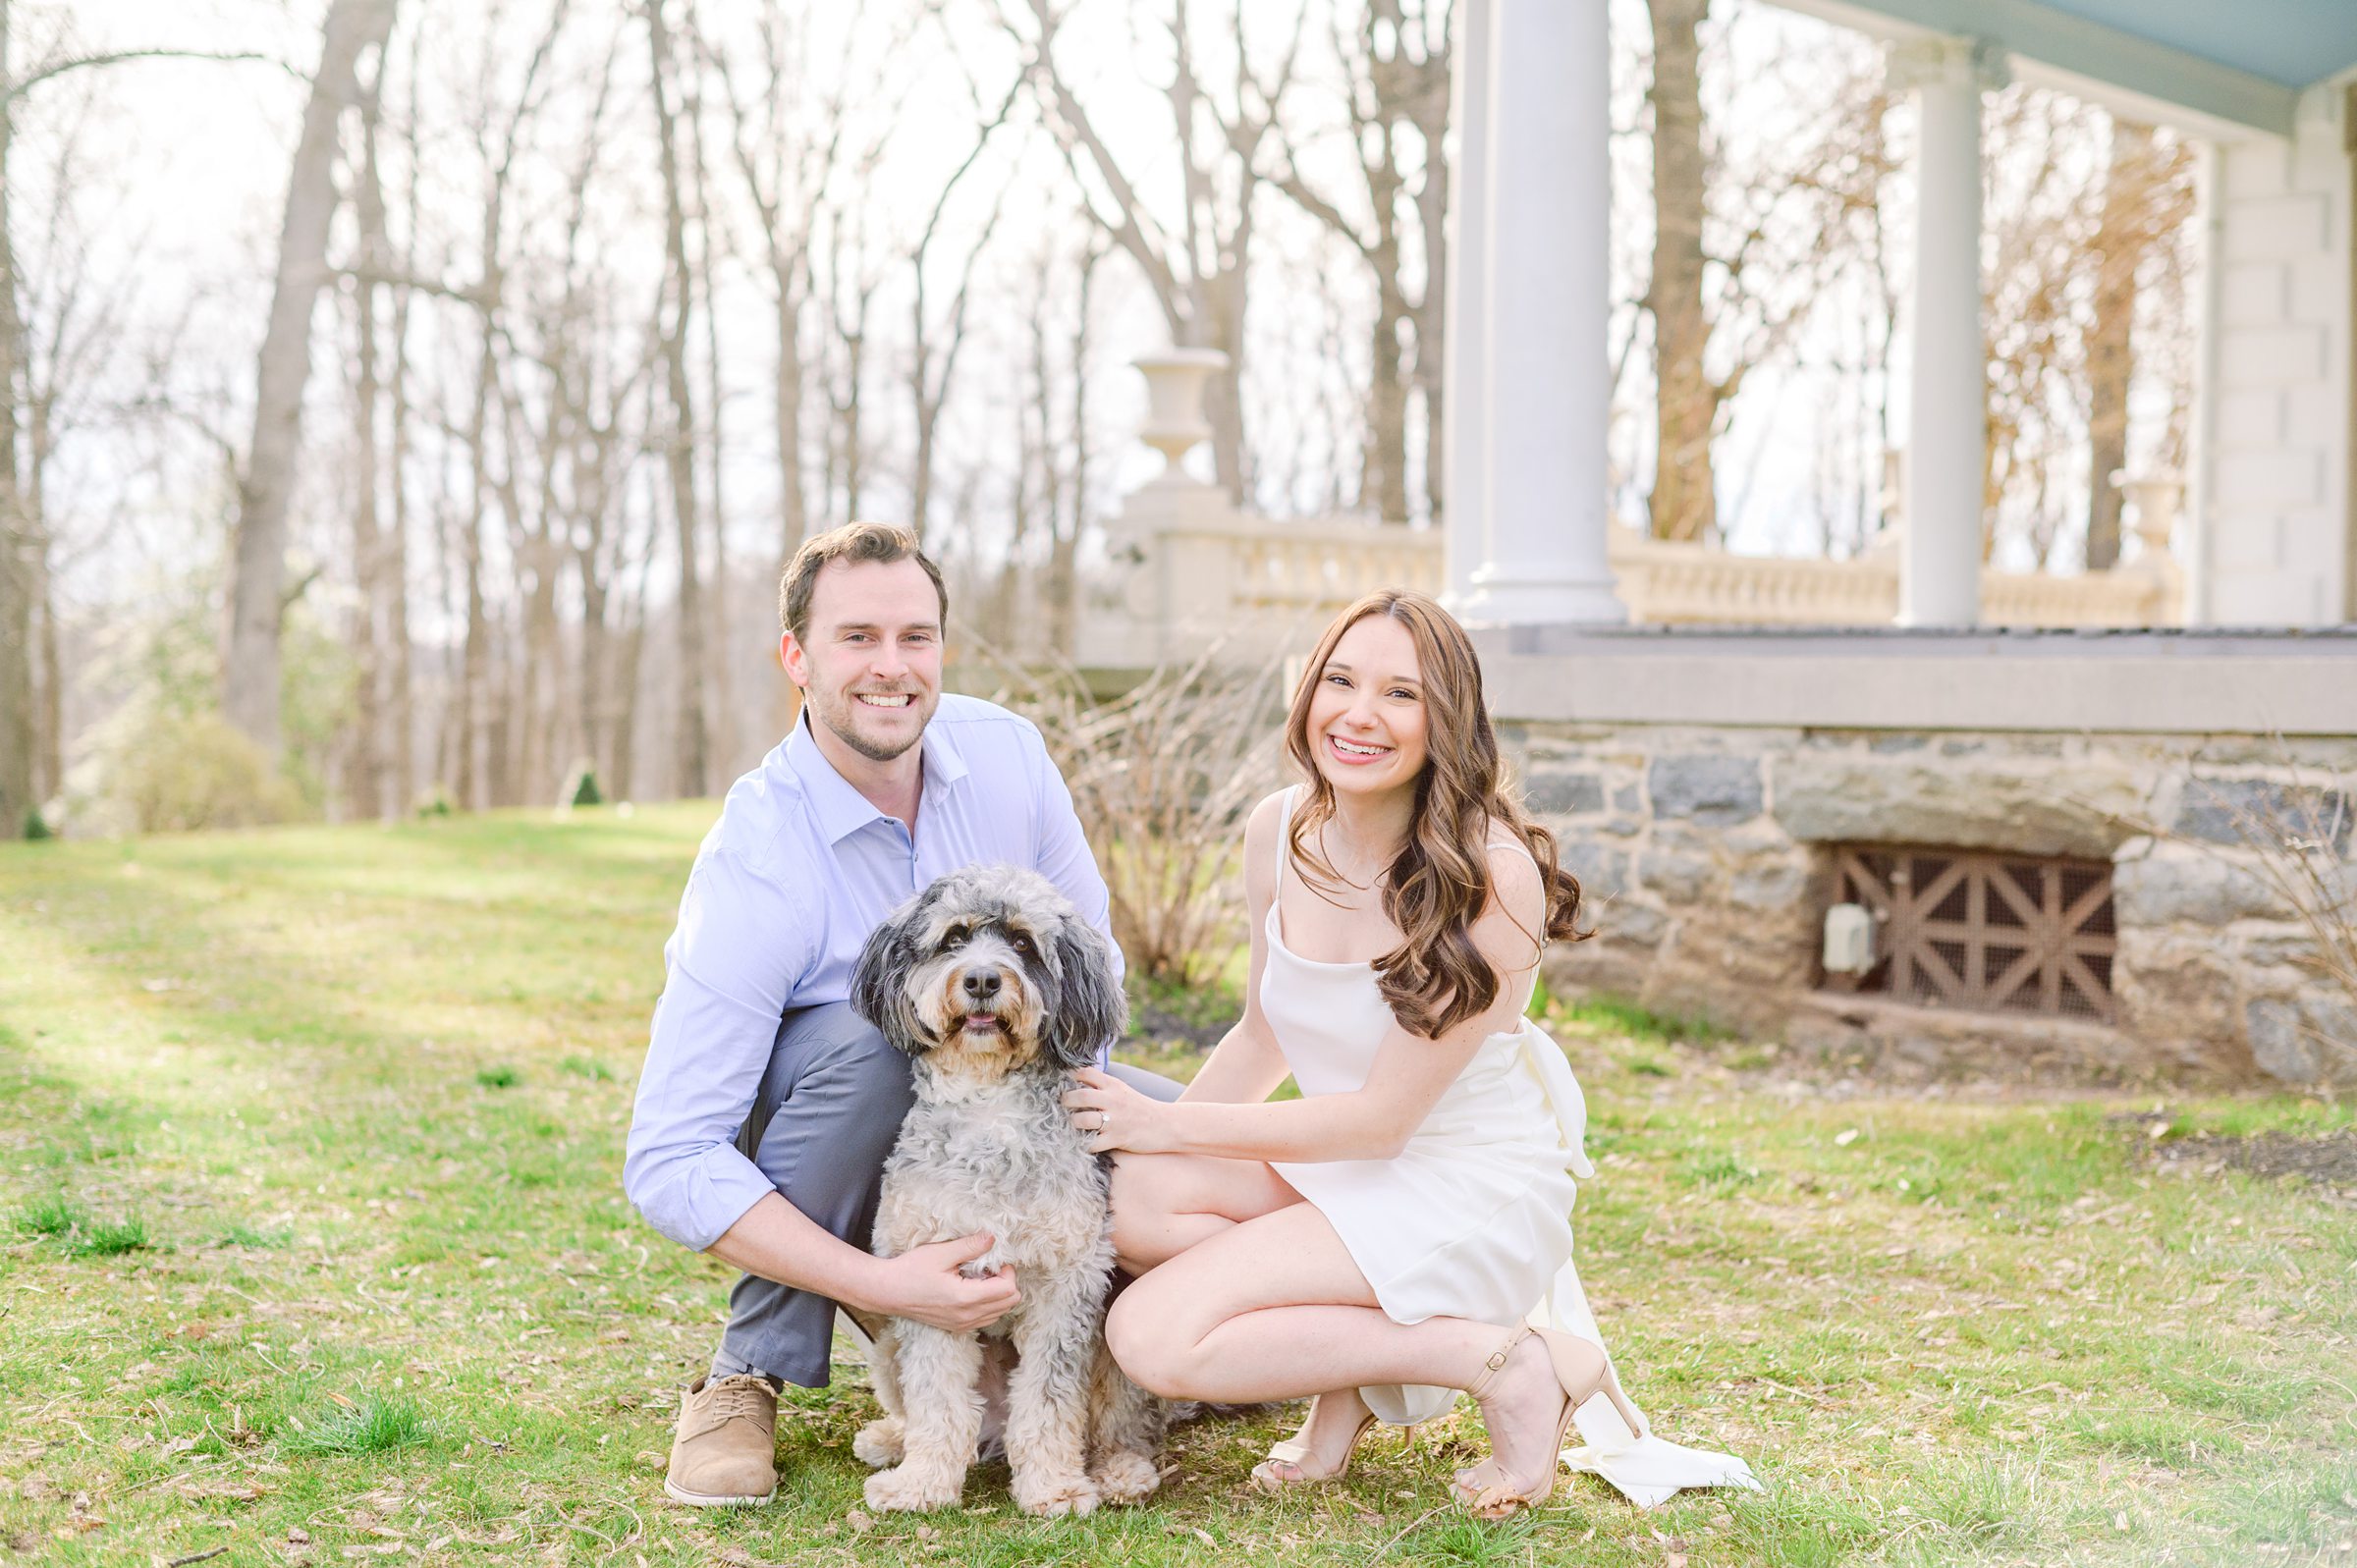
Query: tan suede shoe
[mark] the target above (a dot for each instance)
(725, 1451)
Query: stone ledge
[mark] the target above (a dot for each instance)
(1879, 678)
(1900, 1041)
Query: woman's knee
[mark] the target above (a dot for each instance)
(1144, 1346)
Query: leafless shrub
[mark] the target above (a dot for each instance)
(2299, 835)
(1163, 776)
(2286, 837)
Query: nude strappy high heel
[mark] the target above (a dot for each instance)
(1581, 1371)
(1292, 1451)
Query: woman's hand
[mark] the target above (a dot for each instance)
(1115, 1116)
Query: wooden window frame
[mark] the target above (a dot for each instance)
(1984, 931)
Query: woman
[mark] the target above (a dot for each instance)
(1383, 1240)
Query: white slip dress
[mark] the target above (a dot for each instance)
(1473, 1219)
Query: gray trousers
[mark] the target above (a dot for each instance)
(825, 1116)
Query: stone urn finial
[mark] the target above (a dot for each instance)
(1175, 423)
(2154, 499)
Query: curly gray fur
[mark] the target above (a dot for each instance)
(995, 985)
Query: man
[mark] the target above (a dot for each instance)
(767, 1106)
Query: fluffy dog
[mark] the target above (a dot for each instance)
(996, 986)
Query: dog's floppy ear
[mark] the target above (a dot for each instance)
(878, 989)
(1088, 1010)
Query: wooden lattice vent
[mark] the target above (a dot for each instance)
(1982, 931)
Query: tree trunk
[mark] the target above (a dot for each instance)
(401, 696)
(793, 514)
(250, 677)
(793, 517)
(1064, 577)
(693, 761)
(1687, 404)
(367, 781)
(474, 663)
(2120, 246)
(17, 740)
(722, 726)
(49, 682)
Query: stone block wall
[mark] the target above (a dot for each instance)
(1707, 856)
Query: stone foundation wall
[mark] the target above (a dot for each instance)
(1707, 856)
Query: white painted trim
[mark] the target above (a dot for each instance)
(1465, 375)
(2121, 70)
(2246, 683)
(2209, 216)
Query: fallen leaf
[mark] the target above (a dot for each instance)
(859, 1521)
(1845, 1137)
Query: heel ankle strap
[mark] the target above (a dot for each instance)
(1496, 1359)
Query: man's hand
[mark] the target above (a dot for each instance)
(923, 1284)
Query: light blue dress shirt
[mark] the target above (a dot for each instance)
(790, 882)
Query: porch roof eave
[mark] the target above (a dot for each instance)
(2125, 72)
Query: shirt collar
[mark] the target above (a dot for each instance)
(841, 810)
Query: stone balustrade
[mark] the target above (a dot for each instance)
(1189, 572)
(1666, 584)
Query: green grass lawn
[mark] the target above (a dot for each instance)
(312, 1249)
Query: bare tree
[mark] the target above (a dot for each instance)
(1396, 113)
(934, 350)
(1743, 237)
(2147, 200)
(791, 137)
(371, 639)
(693, 760)
(1196, 261)
(250, 671)
(1686, 400)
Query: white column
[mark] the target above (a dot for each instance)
(1464, 378)
(1548, 396)
(1948, 422)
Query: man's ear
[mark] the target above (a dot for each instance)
(795, 660)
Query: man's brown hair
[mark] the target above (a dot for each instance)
(854, 541)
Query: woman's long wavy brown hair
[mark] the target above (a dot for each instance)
(1439, 883)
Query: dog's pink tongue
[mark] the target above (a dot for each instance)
(981, 1021)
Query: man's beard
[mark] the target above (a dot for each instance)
(842, 718)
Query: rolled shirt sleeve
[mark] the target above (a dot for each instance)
(740, 951)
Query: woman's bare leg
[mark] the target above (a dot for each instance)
(1165, 1204)
(1274, 1308)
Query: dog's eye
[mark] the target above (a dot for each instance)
(1022, 944)
(955, 936)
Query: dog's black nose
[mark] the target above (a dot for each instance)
(982, 984)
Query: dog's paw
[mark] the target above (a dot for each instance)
(907, 1488)
(1125, 1476)
(1051, 1496)
(881, 1442)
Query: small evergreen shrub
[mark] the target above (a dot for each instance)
(35, 827)
(584, 791)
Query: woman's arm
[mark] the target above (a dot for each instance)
(1247, 1065)
(1371, 1122)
